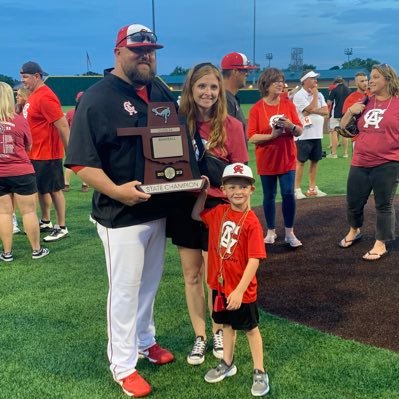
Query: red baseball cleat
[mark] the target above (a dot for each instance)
(157, 355)
(135, 385)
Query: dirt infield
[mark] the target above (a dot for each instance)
(329, 288)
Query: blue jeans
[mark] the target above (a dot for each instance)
(287, 189)
(383, 181)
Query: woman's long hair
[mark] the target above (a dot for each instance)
(7, 102)
(24, 93)
(188, 107)
(390, 76)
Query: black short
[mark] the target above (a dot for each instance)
(309, 150)
(245, 318)
(22, 185)
(49, 175)
(180, 226)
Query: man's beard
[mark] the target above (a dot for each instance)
(138, 77)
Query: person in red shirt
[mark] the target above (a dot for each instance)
(375, 161)
(235, 250)
(17, 178)
(272, 124)
(50, 135)
(357, 96)
(203, 104)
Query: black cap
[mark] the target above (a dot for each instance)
(31, 68)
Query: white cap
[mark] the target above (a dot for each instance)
(310, 74)
(238, 170)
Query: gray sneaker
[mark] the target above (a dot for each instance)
(218, 344)
(197, 354)
(260, 385)
(220, 372)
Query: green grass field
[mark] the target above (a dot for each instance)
(53, 330)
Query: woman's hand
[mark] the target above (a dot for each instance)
(356, 109)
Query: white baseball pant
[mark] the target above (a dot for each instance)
(135, 257)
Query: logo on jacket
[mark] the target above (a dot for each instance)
(163, 112)
(374, 117)
(129, 108)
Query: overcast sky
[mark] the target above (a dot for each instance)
(57, 34)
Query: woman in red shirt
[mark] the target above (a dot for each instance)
(272, 124)
(203, 105)
(375, 161)
(17, 177)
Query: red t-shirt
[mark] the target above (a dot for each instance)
(277, 156)
(235, 145)
(69, 116)
(243, 242)
(14, 137)
(353, 98)
(378, 138)
(41, 110)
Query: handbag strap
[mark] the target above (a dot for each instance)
(200, 144)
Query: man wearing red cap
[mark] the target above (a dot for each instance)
(130, 223)
(235, 68)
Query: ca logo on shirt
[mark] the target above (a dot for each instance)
(227, 240)
(374, 117)
(129, 108)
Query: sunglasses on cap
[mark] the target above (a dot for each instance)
(140, 37)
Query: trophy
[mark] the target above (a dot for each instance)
(166, 151)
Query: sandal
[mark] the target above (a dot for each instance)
(367, 258)
(344, 243)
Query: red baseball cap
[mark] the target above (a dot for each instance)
(136, 35)
(78, 95)
(236, 61)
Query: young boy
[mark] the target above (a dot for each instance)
(234, 250)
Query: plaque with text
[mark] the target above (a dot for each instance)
(166, 151)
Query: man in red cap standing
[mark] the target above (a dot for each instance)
(235, 68)
(130, 223)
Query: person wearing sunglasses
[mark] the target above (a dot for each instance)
(130, 223)
(375, 161)
(273, 123)
(214, 132)
(235, 68)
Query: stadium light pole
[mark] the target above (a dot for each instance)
(269, 57)
(253, 49)
(153, 16)
(348, 52)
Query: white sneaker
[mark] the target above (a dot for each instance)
(334, 156)
(218, 344)
(197, 354)
(293, 241)
(299, 194)
(56, 234)
(15, 229)
(319, 192)
(270, 238)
